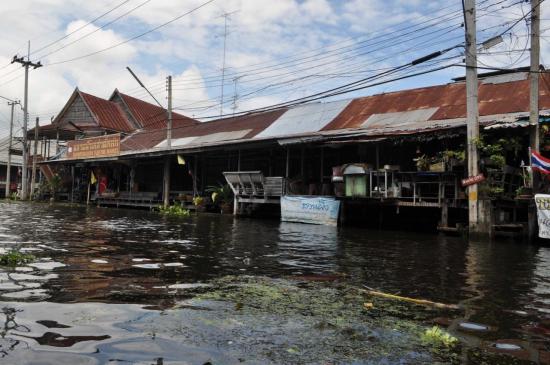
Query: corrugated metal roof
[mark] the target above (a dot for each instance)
(398, 113)
(256, 123)
(450, 101)
(107, 114)
(304, 119)
(398, 118)
(151, 116)
(208, 138)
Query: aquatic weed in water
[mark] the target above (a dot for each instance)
(14, 258)
(174, 210)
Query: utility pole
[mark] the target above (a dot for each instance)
(169, 127)
(166, 179)
(472, 112)
(10, 145)
(26, 64)
(534, 76)
(33, 175)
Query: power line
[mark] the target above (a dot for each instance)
(79, 28)
(134, 37)
(96, 30)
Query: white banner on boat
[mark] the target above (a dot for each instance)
(314, 210)
(543, 214)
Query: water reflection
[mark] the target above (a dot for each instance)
(125, 256)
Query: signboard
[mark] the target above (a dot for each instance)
(543, 214)
(472, 180)
(103, 146)
(314, 210)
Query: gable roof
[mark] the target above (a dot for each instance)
(107, 114)
(150, 116)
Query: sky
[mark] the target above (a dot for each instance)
(275, 51)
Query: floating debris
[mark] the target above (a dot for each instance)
(140, 259)
(470, 326)
(99, 261)
(173, 264)
(506, 346)
(147, 266)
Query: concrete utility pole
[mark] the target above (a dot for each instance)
(534, 76)
(166, 180)
(26, 64)
(169, 127)
(33, 175)
(10, 145)
(472, 113)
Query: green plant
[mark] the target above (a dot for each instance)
(54, 185)
(437, 337)
(422, 162)
(13, 196)
(495, 151)
(14, 258)
(198, 201)
(459, 155)
(174, 210)
(221, 194)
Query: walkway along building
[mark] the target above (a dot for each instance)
(392, 157)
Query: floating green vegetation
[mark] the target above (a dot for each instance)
(350, 323)
(435, 336)
(175, 211)
(14, 258)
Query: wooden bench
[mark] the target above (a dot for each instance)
(131, 199)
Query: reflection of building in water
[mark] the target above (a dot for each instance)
(540, 291)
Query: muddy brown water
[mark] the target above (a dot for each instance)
(99, 270)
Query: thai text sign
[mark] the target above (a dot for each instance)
(543, 214)
(314, 210)
(103, 146)
(472, 180)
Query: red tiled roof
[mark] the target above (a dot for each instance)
(108, 114)
(255, 122)
(152, 116)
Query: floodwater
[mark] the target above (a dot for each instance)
(104, 277)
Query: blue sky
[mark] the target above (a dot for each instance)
(276, 51)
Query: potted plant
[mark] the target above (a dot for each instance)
(422, 163)
(222, 195)
(454, 158)
(199, 203)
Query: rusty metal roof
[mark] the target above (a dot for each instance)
(441, 107)
(108, 115)
(151, 116)
(448, 100)
(252, 123)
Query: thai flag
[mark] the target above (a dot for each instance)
(540, 163)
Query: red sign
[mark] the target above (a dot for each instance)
(472, 180)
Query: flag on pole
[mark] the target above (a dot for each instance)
(540, 163)
(181, 160)
(93, 180)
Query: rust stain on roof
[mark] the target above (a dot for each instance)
(256, 123)
(151, 116)
(450, 101)
(108, 114)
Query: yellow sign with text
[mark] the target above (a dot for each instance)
(103, 146)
